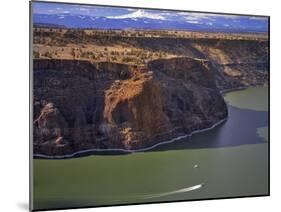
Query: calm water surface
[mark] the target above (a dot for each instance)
(229, 160)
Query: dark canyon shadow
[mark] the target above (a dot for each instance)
(239, 129)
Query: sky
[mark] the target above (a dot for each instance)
(161, 15)
(58, 8)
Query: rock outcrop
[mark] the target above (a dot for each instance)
(238, 63)
(80, 105)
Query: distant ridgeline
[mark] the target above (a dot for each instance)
(239, 24)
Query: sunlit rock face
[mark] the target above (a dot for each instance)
(80, 105)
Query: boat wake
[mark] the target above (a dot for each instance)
(183, 190)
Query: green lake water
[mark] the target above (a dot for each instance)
(228, 161)
(255, 98)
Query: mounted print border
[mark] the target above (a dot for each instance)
(136, 105)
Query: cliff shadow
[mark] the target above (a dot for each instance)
(239, 129)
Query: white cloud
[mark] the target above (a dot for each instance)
(84, 9)
(258, 18)
(80, 9)
(193, 22)
(191, 18)
(81, 17)
(196, 16)
(205, 16)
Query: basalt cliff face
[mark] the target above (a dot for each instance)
(238, 63)
(80, 105)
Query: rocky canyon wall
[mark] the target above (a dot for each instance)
(80, 105)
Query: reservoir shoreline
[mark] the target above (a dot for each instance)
(76, 154)
(89, 152)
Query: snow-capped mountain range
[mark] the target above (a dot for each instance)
(154, 19)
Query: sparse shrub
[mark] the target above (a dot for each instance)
(48, 54)
(127, 59)
(73, 53)
(86, 54)
(36, 54)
